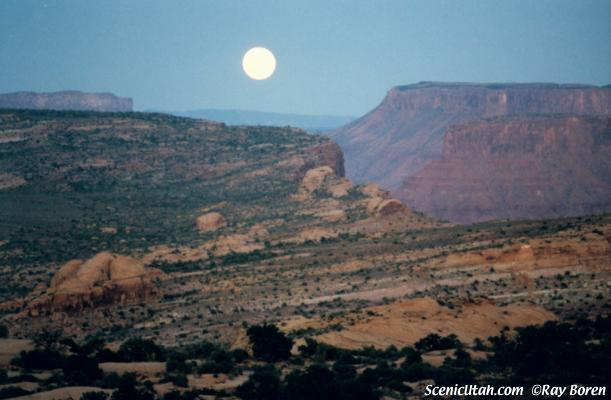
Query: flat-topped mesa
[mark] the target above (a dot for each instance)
(66, 100)
(487, 100)
(517, 167)
(406, 130)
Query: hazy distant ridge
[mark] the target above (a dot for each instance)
(66, 100)
(249, 117)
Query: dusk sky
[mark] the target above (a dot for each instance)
(333, 57)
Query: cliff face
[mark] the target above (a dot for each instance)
(406, 130)
(67, 100)
(517, 167)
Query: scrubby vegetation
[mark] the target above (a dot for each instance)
(554, 352)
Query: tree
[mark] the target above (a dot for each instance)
(268, 343)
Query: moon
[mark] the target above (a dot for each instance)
(259, 63)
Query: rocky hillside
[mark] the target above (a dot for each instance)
(75, 184)
(517, 167)
(65, 100)
(406, 131)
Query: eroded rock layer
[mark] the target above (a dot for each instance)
(517, 167)
(406, 130)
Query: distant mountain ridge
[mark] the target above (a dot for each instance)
(66, 100)
(251, 117)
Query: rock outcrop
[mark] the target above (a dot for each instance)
(66, 100)
(328, 153)
(210, 222)
(517, 167)
(102, 280)
(406, 130)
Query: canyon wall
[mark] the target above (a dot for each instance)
(517, 167)
(406, 130)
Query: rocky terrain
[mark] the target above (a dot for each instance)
(517, 167)
(195, 235)
(65, 100)
(406, 131)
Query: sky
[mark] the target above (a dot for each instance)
(334, 57)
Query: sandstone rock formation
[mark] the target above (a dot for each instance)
(405, 322)
(517, 167)
(406, 130)
(328, 153)
(66, 100)
(102, 280)
(210, 222)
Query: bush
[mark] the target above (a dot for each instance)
(40, 359)
(263, 384)
(12, 391)
(137, 349)
(436, 342)
(128, 388)
(94, 396)
(316, 382)
(3, 331)
(268, 343)
(80, 370)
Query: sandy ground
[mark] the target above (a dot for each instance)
(65, 393)
(143, 368)
(10, 348)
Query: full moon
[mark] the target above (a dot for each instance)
(259, 63)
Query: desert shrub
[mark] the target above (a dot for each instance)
(128, 388)
(263, 384)
(239, 355)
(436, 342)
(411, 355)
(12, 391)
(269, 343)
(316, 382)
(417, 372)
(461, 359)
(556, 352)
(80, 370)
(447, 376)
(186, 395)
(179, 379)
(138, 349)
(201, 350)
(176, 363)
(384, 375)
(94, 396)
(39, 359)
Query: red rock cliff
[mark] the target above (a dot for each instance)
(517, 167)
(406, 130)
(67, 100)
